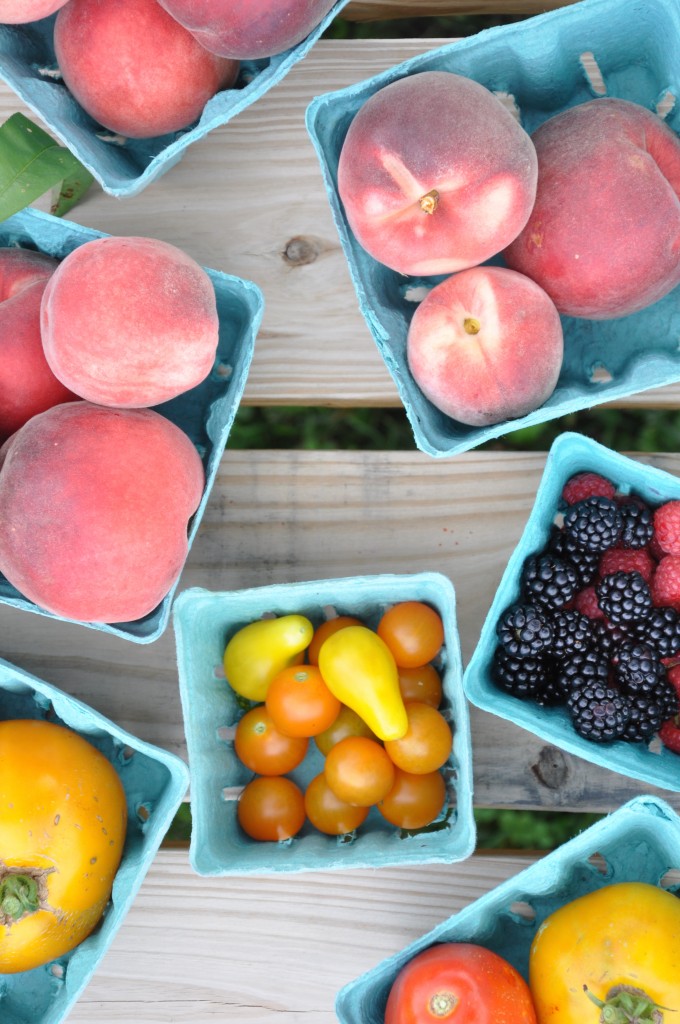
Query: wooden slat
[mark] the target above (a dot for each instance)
(237, 201)
(373, 10)
(277, 517)
(250, 951)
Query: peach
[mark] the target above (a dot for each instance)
(486, 345)
(20, 12)
(133, 68)
(95, 503)
(435, 174)
(604, 236)
(129, 322)
(247, 29)
(27, 385)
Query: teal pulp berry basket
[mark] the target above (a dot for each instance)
(640, 842)
(155, 783)
(204, 622)
(124, 167)
(570, 454)
(545, 64)
(205, 413)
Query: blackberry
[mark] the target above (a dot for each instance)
(646, 718)
(524, 631)
(638, 524)
(581, 670)
(594, 524)
(667, 695)
(548, 582)
(550, 693)
(609, 637)
(599, 713)
(522, 677)
(572, 633)
(638, 669)
(586, 563)
(624, 597)
(661, 630)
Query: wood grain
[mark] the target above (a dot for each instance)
(373, 10)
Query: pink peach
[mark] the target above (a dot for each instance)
(435, 174)
(486, 345)
(20, 12)
(133, 68)
(604, 236)
(129, 322)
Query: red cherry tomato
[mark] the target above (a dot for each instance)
(263, 748)
(300, 703)
(413, 631)
(422, 683)
(271, 808)
(459, 983)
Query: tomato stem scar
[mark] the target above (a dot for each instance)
(19, 895)
(442, 1004)
(625, 1004)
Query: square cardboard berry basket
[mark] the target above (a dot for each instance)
(544, 64)
(124, 167)
(204, 621)
(155, 783)
(639, 842)
(570, 454)
(205, 413)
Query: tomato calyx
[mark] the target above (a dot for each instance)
(442, 1004)
(625, 1004)
(22, 892)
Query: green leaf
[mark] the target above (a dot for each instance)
(32, 163)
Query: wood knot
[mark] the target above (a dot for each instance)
(551, 768)
(301, 250)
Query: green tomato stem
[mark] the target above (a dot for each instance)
(19, 895)
(625, 1004)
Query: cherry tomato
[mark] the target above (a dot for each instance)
(262, 748)
(421, 683)
(325, 630)
(300, 703)
(426, 744)
(271, 808)
(460, 983)
(359, 771)
(414, 800)
(413, 631)
(329, 814)
(348, 723)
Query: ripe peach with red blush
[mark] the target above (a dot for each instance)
(20, 12)
(435, 174)
(485, 346)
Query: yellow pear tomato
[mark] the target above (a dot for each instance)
(63, 818)
(257, 653)
(610, 956)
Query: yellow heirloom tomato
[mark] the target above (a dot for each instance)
(612, 956)
(257, 653)
(63, 819)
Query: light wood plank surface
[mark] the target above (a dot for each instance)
(372, 10)
(250, 951)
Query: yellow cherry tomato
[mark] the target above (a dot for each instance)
(359, 669)
(590, 952)
(63, 817)
(257, 653)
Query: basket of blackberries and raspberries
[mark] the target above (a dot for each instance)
(596, 628)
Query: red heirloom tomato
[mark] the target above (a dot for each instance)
(459, 983)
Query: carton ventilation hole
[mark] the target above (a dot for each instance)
(510, 104)
(666, 104)
(126, 754)
(226, 733)
(223, 370)
(599, 863)
(143, 812)
(671, 879)
(415, 292)
(599, 374)
(218, 671)
(524, 910)
(593, 73)
(57, 971)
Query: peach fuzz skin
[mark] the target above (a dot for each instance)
(604, 236)
(129, 322)
(248, 29)
(27, 385)
(485, 346)
(435, 175)
(133, 68)
(20, 12)
(95, 504)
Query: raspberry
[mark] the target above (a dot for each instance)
(585, 602)
(587, 485)
(627, 560)
(673, 676)
(669, 734)
(667, 527)
(666, 582)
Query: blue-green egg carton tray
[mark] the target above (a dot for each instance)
(640, 842)
(205, 413)
(570, 454)
(124, 167)
(155, 783)
(543, 63)
(204, 621)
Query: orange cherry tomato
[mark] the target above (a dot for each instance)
(422, 683)
(325, 630)
(413, 631)
(414, 800)
(300, 703)
(348, 723)
(359, 771)
(327, 813)
(427, 743)
(271, 808)
(262, 748)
